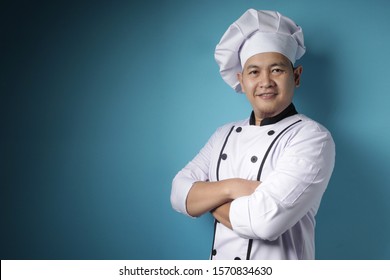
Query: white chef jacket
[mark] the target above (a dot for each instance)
(293, 157)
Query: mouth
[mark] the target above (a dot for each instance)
(266, 95)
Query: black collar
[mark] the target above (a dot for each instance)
(289, 111)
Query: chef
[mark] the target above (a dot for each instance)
(261, 178)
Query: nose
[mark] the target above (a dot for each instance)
(265, 80)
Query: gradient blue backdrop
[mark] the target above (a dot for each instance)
(103, 102)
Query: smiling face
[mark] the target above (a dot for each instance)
(268, 80)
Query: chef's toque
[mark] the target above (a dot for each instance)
(253, 33)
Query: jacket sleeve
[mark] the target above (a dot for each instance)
(291, 190)
(196, 170)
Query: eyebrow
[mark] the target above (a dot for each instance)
(281, 64)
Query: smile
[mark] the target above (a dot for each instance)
(266, 95)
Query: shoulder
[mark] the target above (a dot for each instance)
(224, 130)
(228, 126)
(308, 124)
(309, 131)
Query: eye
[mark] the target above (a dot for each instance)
(253, 72)
(277, 71)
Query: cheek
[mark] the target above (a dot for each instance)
(248, 86)
(288, 85)
(250, 98)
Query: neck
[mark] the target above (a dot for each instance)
(259, 119)
(265, 120)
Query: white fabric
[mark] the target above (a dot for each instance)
(280, 215)
(269, 42)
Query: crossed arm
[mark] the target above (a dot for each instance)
(217, 197)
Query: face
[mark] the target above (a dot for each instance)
(269, 80)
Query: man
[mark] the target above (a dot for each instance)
(261, 178)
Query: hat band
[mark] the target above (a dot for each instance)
(262, 42)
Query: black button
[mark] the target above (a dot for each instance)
(237, 258)
(254, 159)
(214, 252)
(224, 156)
(271, 132)
(239, 129)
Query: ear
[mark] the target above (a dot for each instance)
(239, 78)
(297, 75)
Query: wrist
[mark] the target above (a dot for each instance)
(229, 189)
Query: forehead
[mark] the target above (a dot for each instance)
(266, 60)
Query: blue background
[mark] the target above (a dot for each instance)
(103, 102)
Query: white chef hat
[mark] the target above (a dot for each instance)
(257, 32)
